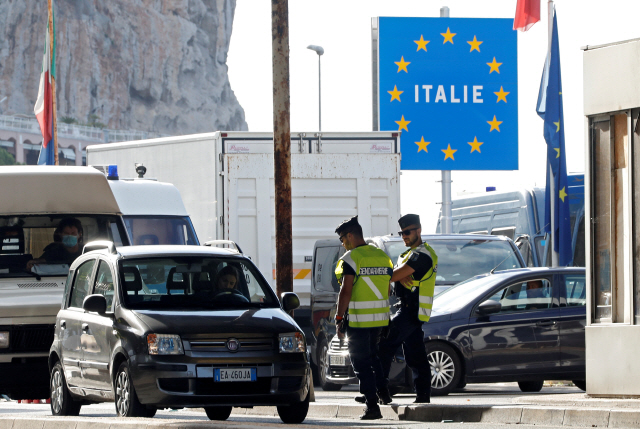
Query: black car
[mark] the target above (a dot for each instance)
(151, 327)
(460, 256)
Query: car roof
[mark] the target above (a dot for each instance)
(536, 270)
(126, 252)
(436, 237)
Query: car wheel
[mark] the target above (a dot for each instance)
(62, 404)
(580, 384)
(530, 386)
(294, 413)
(446, 368)
(126, 399)
(151, 412)
(323, 368)
(218, 413)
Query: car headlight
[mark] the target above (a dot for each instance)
(164, 344)
(292, 342)
(4, 340)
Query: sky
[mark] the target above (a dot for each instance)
(343, 29)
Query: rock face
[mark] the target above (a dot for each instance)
(149, 65)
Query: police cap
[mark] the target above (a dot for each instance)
(409, 219)
(347, 225)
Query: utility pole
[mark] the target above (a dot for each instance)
(446, 219)
(282, 145)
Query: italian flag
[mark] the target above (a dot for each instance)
(44, 104)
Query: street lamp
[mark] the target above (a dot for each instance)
(318, 50)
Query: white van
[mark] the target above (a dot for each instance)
(47, 214)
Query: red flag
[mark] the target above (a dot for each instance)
(527, 14)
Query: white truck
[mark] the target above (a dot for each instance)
(226, 182)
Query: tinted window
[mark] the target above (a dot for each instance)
(529, 295)
(104, 283)
(325, 266)
(150, 230)
(81, 284)
(575, 290)
(193, 283)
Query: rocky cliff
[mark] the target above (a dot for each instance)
(149, 65)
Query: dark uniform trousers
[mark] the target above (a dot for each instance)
(406, 330)
(363, 352)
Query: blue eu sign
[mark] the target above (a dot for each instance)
(451, 86)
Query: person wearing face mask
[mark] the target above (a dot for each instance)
(66, 247)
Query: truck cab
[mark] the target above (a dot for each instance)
(41, 207)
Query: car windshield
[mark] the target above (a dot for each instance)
(47, 245)
(193, 283)
(462, 294)
(149, 230)
(460, 259)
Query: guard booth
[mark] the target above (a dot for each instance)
(612, 190)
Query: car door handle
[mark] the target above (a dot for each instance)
(546, 323)
(85, 327)
(63, 324)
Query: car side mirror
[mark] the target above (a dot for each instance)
(95, 303)
(290, 301)
(489, 307)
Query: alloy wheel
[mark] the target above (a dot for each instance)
(442, 369)
(324, 363)
(122, 393)
(56, 392)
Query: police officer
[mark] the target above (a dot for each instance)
(415, 277)
(365, 273)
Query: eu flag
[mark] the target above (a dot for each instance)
(550, 110)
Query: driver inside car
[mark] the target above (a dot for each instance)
(227, 278)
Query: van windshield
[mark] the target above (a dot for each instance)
(193, 283)
(48, 245)
(149, 230)
(460, 259)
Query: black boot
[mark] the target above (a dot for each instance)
(360, 399)
(372, 412)
(384, 397)
(422, 399)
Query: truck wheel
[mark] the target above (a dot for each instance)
(530, 386)
(126, 399)
(294, 413)
(62, 404)
(218, 413)
(446, 368)
(323, 368)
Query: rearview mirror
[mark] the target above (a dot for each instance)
(489, 307)
(95, 303)
(290, 301)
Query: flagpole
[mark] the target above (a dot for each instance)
(54, 115)
(552, 184)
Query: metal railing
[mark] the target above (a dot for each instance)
(81, 132)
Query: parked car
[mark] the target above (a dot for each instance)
(460, 256)
(152, 327)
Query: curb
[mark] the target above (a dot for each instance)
(610, 418)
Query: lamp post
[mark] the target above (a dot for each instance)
(318, 50)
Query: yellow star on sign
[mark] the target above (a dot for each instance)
(502, 95)
(475, 145)
(402, 65)
(422, 145)
(557, 149)
(448, 36)
(495, 124)
(475, 44)
(562, 194)
(448, 152)
(557, 124)
(402, 124)
(495, 66)
(395, 94)
(422, 44)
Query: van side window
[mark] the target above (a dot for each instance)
(81, 284)
(104, 283)
(326, 259)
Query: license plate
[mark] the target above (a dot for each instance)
(234, 374)
(337, 360)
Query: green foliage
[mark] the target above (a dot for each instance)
(94, 122)
(6, 158)
(68, 120)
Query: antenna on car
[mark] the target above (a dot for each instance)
(494, 268)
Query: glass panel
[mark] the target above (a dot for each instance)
(104, 283)
(530, 295)
(150, 230)
(601, 209)
(325, 275)
(81, 284)
(636, 213)
(575, 291)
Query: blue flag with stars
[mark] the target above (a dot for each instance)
(550, 109)
(450, 85)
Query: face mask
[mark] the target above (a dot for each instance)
(69, 240)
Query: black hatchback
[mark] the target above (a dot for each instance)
(151, 327)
